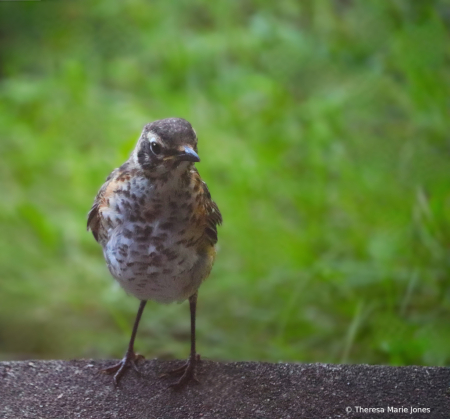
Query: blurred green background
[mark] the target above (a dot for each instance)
(325, 140)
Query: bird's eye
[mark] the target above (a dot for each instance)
(156, 148)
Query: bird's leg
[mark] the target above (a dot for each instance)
(188, 369)
(130, 358)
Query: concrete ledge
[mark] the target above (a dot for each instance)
(251, 390)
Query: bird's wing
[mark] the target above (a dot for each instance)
(93, 222)
(213, 215)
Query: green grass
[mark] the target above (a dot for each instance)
(324, 138)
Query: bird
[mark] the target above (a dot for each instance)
(157, 224)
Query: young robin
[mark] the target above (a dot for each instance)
(157, 224)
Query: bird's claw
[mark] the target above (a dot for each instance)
(187, 372)
(129, 360)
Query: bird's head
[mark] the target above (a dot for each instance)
(165, 146)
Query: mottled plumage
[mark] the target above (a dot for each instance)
(155, 218)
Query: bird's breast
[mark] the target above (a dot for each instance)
(153, 241)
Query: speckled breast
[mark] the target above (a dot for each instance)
(153, 239)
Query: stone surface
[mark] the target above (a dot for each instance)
(251, 390)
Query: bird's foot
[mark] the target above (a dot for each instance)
(187, 372)
(129, 360)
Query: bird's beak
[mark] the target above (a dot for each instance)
(188, 154)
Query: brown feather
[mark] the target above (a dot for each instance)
(209, 211)
(93, 221)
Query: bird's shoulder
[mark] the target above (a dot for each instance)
(116, 180)
(206, 209)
